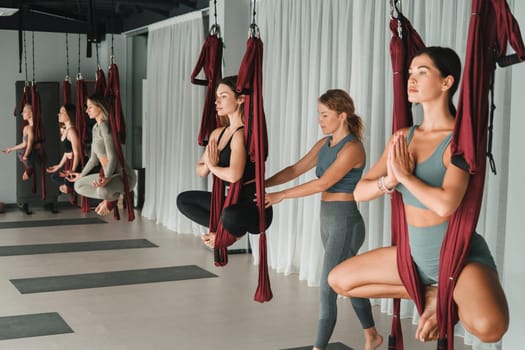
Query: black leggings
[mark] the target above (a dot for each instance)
(237, 219)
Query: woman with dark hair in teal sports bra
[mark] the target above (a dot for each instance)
(339, 160)
(416, 162)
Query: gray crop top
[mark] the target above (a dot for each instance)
(102, 146)
(431, 171)
(327, 156)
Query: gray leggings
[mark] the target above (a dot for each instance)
(342, 233)
(110, 192)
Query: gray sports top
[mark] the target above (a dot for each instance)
(102, 146)
(327, 156)
(431, 171)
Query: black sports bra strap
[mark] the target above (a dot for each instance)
(222, 133)
(223, 130)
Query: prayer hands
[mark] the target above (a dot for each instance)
(212, 154)
(400, 163)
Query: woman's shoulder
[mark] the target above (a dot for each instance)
(104, 127)
(72, 132)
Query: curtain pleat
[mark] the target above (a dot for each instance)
(173, 108)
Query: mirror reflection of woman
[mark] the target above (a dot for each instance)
(26, 150)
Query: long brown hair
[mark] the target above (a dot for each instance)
(338, 100)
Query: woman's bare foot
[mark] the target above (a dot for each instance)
(373, 339)
(102, 208)
(427, 328)
(62, 188)
(25, 176)
(209, 239)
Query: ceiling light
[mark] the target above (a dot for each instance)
(4, 11)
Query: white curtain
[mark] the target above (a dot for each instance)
(172, 115)
(313, 45)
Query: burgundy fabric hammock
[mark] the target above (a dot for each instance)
(66, 90)
(100, 83)
(118, 129)
(81, 124)
(210, 60)
(39, 138)
(249, 81)
(404, 44)
(468, 149)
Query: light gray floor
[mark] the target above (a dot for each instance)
(210, 313)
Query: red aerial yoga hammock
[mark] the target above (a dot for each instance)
(210, 60)
(66, 90)
(81, 123)
(118, 129)
(249, 82)
(491, 27)
(38, 139)
(100, 83)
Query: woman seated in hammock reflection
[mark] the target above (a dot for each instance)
(416, 162)
(70, 161)
(107, 185)
(27, 150)
(226, 157)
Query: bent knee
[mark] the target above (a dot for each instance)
(338, 281)
(488, 329)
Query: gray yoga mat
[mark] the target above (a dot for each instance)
(54, 222)
(50, 248)
(109, 279)
(33, 325)
(331, 346)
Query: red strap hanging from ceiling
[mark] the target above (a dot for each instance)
(250, 82)
(118, 129)
(210, 60)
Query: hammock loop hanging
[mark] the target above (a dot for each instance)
(395, 9)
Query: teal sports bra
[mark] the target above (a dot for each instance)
(327, 156)
(431, 171)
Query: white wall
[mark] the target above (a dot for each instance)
(50, 65)
(513, 275)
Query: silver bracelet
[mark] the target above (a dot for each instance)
(382, 186)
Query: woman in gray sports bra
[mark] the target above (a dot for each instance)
(416, 162)
(107, 184)
(339, 160)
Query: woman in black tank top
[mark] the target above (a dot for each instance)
(226, 157)
(70, 140)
